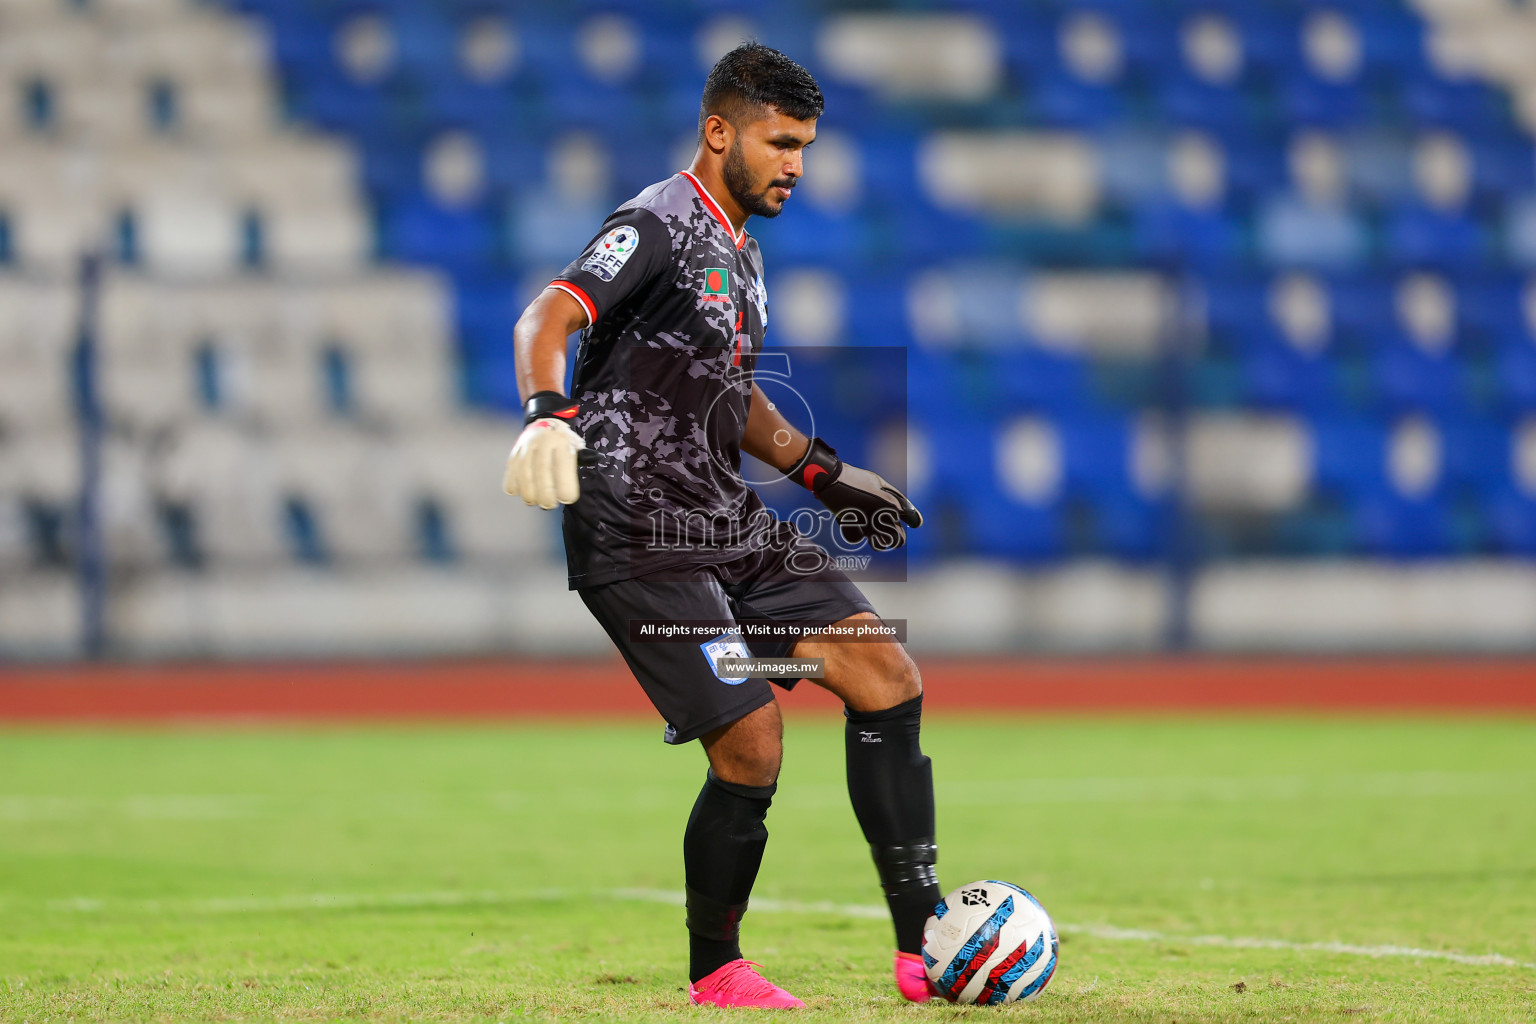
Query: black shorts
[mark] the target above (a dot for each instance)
(678, 676)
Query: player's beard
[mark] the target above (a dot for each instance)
(739, 183)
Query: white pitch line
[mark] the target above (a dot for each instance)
(143, 806)
(868, 911)
(1104, 931)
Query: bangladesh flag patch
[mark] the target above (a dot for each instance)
(717, 281)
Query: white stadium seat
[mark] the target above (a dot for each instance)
(461, 466)
(405, 387)
(219, 383)
(226, 477)
(43, 464)
(939, 56)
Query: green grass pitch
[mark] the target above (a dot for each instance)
(1200, 868)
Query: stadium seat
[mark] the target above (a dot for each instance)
(1277, 375)
(1295, 233)
(1515, 364)
(1172, 235)
(1305, 100)
(1385, 525)
(1512, 522)
(1432, 101)
(1409, 379)
(420, 231)
(1417, 236)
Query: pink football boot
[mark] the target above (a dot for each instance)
(911, 979)
(739, 984)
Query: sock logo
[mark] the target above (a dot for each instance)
(869, 737)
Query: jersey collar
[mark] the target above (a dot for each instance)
(714, 208)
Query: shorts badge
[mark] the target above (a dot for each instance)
(726, 645)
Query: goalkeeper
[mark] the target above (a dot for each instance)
(645, 454)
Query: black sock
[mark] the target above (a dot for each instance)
(722, 850)
(890, 782)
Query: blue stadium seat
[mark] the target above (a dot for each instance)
(1363, 307)
(391, 165)
(1182, 100)
(513, 163)
(1477, 454)
(1236, 304)
(1503, 168)
(1407, 379)
(1271, 36)
(547, 231)
(1295, 233)
(1024, 379)
(1431, 101)
(1028, 34)
(1276, 375)
(960, 454)
(890, 168)
(1003, 527)
(359, 110)
(880, 315)
(426, 41)
(1096, 451)
(1149, 42)
(1387, 525)
(1512, 522)
(461, 241)
(1490, 308)
(1130, 527)
(1306, 100)
(1256, 165)
(1392, 40)
(1351, 467)
(1170, 234)
(574, 102)
(1379, 164)
(1417, 236)
(490, 110)
(1132, 165)
(1061, 101)
(1350, 454)
(1515, 363)
(805, 234)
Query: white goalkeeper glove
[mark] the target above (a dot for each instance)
(542, 466)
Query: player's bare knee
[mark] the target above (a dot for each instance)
(903, 681)
(909, 681)
(747, 767)
(749, 750)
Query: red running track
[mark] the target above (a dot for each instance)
(517, 689)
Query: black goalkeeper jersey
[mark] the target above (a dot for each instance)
(676, 310)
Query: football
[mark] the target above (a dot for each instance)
(989, 942)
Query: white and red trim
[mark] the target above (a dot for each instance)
(715, 208)
(580, 296)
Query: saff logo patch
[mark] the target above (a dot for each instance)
(726, 645)
(612, 251)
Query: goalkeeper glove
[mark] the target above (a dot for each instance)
(864, 505)
(542, 466)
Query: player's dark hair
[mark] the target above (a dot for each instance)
(754, 76)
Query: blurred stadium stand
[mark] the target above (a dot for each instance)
(1220, 313)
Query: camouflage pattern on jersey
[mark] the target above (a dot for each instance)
(663, 376)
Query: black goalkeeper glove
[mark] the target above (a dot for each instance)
(865, 506)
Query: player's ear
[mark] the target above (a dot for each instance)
(718, 134)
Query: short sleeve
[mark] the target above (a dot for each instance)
(630, 252)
